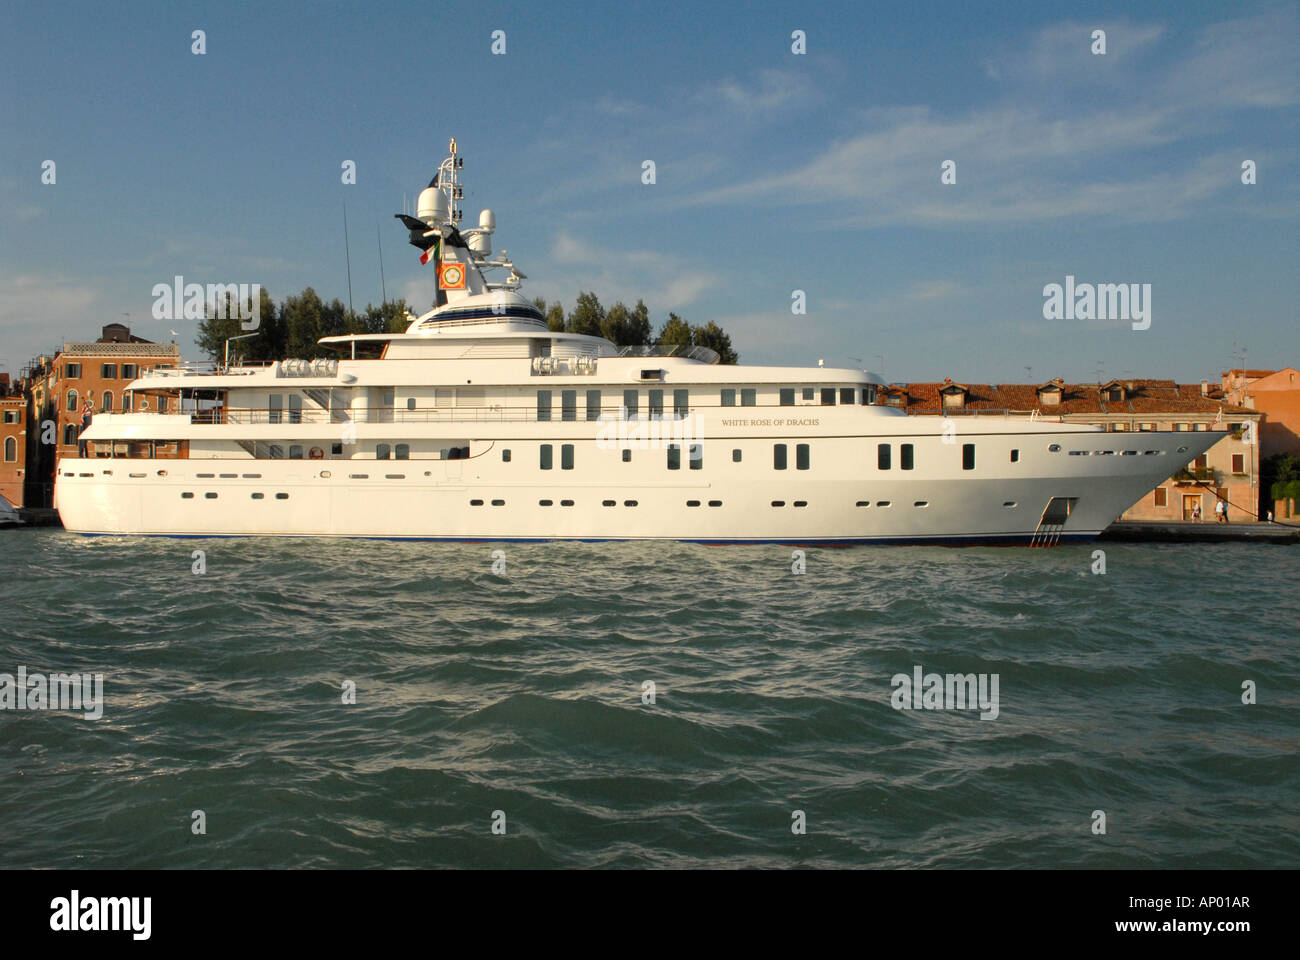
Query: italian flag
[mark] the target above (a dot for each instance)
(433, 253)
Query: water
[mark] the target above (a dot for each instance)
(477, 693)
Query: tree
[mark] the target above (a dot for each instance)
(715, 338)
(304, 324)
(587, 317)
(675, 332)
(555, 317)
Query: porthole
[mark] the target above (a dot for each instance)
(252, 476)
(187, 496)
(394, 476)
(498, 503)
(476, 503)
(325, 474)
(715, 503)
(1053, 448)
(692, 503)
(282, 496)
(920, 503)
(864, 503)
(230, 476)
(609, 503)
(882, 503)
(629, 503)
(359, 476)
(801, 503)
(545, 503)
(778, 503)
(1008, 503)
(209, 496)
(566, 503)
(256, 496)
(161, 473)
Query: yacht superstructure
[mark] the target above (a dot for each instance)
(481, 423)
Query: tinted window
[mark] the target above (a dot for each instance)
(729, 397)
(801, 456)
(778, 456)
(905, 456)
(882, 456)
(787, 396)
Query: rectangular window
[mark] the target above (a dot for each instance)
(729, 397)
(778, 456)
(674, 456)
(295, 452)
(505, 456)
(546, 456)
(801, 456)
(905, 460)
(697, 456)
(968, 456)
(566, 456)
(1161, 497)
(72, 371)
(1202, 461)
(1238, 463)
(882, 456)
(108, 371)
(787, 396)
(748, 397)
(656, 405)
(128, 371)
(735, 455)
(809, 393)
(404, 451)
(162, 404)
(681, 403)
(568, 404)
(295, 408)
(847, 395)
(382, 451)
(275, 405)
(868, 395)
(828, 396)
(627, 455)
(630, 402)
(543, 405)
(593, 404)
(1015, 456)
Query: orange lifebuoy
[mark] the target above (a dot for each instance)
(316, 453)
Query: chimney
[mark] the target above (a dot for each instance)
(1205, 388)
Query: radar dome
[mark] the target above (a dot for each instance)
(432, 205)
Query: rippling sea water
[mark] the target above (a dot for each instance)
(522, 693)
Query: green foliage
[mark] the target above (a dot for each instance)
(292, 328)
(715, 338)
(676, 332)
(588, 316)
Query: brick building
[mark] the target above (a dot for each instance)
(13, 441)
(1229, 469)
(81, 379)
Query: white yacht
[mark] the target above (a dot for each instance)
(480, 423)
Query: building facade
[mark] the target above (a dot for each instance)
(1228, 471)
(1275, 394)
(13, 441)
(66, 391)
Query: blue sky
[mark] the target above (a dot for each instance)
(774, 171)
